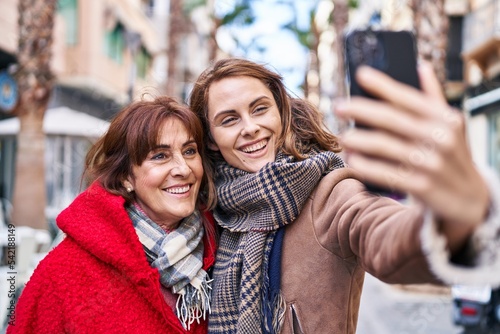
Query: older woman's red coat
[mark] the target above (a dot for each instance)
(97, 280)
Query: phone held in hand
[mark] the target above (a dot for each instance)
(392, 52)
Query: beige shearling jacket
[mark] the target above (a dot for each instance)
(342, 232)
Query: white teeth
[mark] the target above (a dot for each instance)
(255, 147)
(179, 190)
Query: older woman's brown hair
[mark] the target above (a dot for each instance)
(132, 134)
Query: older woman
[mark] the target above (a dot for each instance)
(300, 230)
(138, 249)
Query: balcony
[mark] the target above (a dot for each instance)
(482, 32)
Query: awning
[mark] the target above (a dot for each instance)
(62, 121)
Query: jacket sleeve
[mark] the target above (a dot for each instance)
(394, 242)
(379, 233)
(479, 262)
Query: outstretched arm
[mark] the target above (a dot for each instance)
(417, 145)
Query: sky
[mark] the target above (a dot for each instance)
(278, 48)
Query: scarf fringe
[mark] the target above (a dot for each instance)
(184, 274)
(193, 303)
(279, 313)
(278, 308)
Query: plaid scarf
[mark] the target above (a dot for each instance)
(251, 208)
(178, 256)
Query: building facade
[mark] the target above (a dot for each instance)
(103, 56)
(481, 55)
(472, 68)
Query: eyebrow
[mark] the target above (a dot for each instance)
(167, 146)
(251, 104)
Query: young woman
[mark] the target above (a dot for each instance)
(300, 229)
(137, 247)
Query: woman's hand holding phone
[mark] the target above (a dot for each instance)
(392, 52)
(416, 143)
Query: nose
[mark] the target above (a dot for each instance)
(181, 168)
(250, 128)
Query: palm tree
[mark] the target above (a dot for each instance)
(340, 17)
(176, 30)
(209, 6)
(35, 80)
(309, 39)
(241, 15)
(431, 30)
(180, 25)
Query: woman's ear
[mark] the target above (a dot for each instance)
(128, 186)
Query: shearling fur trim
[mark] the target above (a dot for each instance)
(484, 245)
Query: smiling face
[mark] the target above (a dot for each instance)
(245, 122)
(167, 182)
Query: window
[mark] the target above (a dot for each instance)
(148, 7)
(454, 63)
(143, 62)
(114, 43)
(64, 165)
(68, 9)
(7, 168)
(495, 140)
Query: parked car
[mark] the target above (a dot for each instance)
(476, 309)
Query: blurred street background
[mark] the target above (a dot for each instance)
(67, 66)
(396, 309)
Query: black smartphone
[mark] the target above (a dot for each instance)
(392, 52)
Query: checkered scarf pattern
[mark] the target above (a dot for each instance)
(251, 207)
(178, 256)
